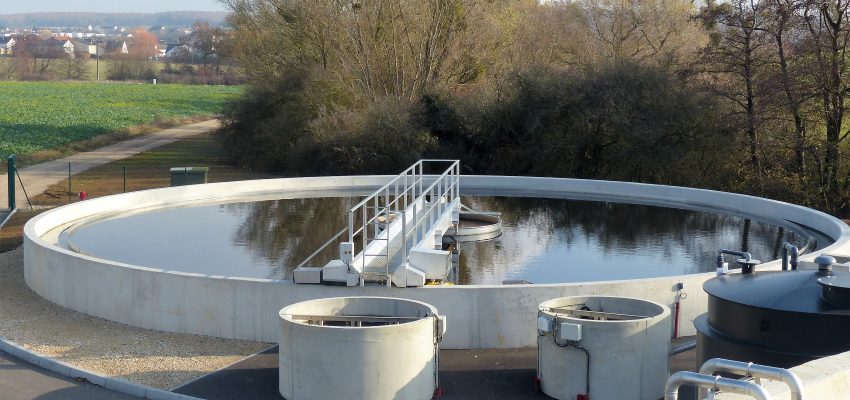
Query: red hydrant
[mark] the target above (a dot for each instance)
(82, 195)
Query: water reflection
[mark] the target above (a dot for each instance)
(543, 241)
(559, 240)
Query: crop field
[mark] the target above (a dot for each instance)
(44, 115)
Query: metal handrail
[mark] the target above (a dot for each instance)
(713, 383)
(321, 248)
(408, 184)
(753, 370)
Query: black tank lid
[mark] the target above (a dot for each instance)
(796, 291)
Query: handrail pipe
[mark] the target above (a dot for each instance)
(681, 378)
(755, 371)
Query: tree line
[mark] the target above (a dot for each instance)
(746, 96)
(201, 57)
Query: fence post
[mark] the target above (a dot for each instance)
(11, 165)
(125, 179)
(69, 181)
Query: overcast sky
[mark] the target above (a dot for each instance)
(112, 6)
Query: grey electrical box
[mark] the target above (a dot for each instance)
(570, 331)
(188, 175)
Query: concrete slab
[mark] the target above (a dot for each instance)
(20, 380)
(494, 374)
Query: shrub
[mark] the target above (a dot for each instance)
(36, 78)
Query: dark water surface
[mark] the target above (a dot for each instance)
(544, 240)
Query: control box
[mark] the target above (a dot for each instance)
(570, 331)
(346, 251)
(544, 324)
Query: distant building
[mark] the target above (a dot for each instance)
(176, 49)
(98, 49)
(68, 48)
(6, 44)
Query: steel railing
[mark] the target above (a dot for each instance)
(405, 197)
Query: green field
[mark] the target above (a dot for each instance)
(44, 115)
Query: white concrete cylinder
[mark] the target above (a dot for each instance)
(629, 358)
(328, 360)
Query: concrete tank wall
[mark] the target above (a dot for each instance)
(493, 316)
(629, 359)
(376, 362)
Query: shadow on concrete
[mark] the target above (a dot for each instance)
(500, 374)
(252, 378)
(20, 380)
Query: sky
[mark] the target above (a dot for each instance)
(111, 6)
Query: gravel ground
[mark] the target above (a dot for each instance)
(158, 359)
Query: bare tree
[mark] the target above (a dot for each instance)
(737, 60)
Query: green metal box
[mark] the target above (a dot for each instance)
(188, 175)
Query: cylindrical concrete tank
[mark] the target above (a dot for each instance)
(359, 348)
(607, 348)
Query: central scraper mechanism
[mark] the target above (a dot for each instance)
(396, 235)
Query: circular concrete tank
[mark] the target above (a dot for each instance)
(603, 347)
(359, 348)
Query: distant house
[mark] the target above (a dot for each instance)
(98, 49)
(6, 45)
(68, 48)
(176, 49)
(124, 49)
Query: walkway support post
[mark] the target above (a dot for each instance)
(11, 173)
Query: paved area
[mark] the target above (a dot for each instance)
(37, 178)
(20, 380)
(464, 374)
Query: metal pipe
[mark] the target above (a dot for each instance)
(752, 389)
(721, 252)
(676, 322)
(756, 371)
(683, 347)
(795, 253)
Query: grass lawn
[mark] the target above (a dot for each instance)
(40, 116)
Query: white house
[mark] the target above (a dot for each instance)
(68, 47)
(97, 49)
(6, 45)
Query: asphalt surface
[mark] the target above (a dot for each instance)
(464, 374)
(20, 380)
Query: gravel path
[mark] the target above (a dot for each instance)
(157, 359)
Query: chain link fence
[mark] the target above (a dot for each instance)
(45, 186)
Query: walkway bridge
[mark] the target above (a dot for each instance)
(395, 235)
